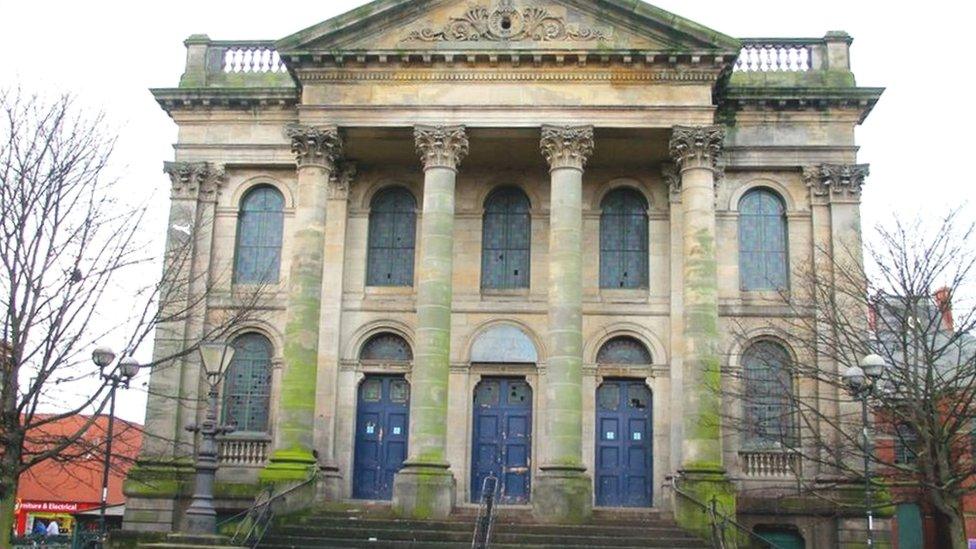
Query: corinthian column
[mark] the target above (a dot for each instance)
(424, 488)
(563, 491)
(695, 151)
(316, 152)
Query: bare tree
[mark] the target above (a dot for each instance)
(912, 304)
(71, 247)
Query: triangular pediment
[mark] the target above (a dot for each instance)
(519, 25)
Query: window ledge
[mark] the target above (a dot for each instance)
(389, 290)
(628, 295)
(246, 435)
(503, 293)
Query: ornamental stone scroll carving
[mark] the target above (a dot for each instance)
(441, 146)
(191, 180)
(506, 23)
(315, 146)
(838, 180)
(567, 146)
(697, 146)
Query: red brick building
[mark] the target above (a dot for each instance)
(58, 488)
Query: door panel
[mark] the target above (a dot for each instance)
(624, 461)
(502, 438)
(382, 417)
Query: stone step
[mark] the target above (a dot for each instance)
(341, 543)
(329, 524)
(575, 539)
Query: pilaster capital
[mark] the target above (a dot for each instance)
(194, 180)
(567, 146)
(315, 146)
(672, 177)
(441, 146)
(340, 180)
(843, 181)
(696, 146)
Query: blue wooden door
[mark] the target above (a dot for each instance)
(382, 418)
(502, 439)
(624, 452)
(910, 532)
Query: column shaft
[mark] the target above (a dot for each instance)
(564, 492)
(316, 151)
(425, 487)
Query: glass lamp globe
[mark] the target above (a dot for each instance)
(873, 366)
(854, 378)
(103, 356)
(129, 367)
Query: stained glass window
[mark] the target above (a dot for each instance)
(608, 396)
(623, 350)
(763, 258)
(506, 240)
(623, 240)
(392, 234)
(247, 387)
(388, 347)
(260, 221)
(767, 397)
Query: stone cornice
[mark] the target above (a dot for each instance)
(441, 146)
(174, 99)
(773, 98)
(514, 73)
(315, 146)
(567, 146)
(696, 146)
(843, 181)
(194, 180)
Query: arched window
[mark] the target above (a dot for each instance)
(624, 350)
(386, 347)
(767, 397)
(506, 240)
(247, 387)
(623, 240)
(763, 258)
(257, 253)
(392, 234)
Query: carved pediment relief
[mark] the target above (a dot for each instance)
(525, 25)
(506, 22)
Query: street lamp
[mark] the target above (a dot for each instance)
(126, 369)
(201, 517)
(863, 382)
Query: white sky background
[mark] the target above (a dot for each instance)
(109, 53)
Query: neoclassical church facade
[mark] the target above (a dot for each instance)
(505, 238)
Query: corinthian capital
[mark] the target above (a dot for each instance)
(441, 146)
(315, 146)
(836, 180)
(696, 146)
(567, 146)
(340, 180)
(191, 180)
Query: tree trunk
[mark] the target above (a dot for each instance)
(950, 522)
(8, 499)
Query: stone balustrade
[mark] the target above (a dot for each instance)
(769, 464)
(777, 55)
(243, 452)
(254, 58)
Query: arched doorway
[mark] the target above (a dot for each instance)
(382, 419)
(502, 438)
(624, 429)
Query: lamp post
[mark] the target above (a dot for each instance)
(863, 382)
(201, 517)
(127, 368)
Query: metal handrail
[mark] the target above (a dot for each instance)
(719, 522)
(254, 522)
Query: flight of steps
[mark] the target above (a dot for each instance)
(375, 527)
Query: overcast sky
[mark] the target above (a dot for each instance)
(109, 53)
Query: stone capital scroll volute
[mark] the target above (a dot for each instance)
(696, 146)
(315, 146)
(441, 146)
(194, 180)
(567, 146)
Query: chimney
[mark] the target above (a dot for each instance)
(943, 299)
